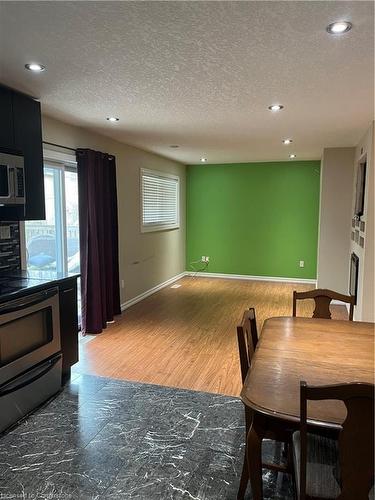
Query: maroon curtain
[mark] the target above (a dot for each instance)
(98, 230)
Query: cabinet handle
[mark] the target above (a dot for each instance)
(68, 290)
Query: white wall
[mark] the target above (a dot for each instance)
(336, 191)
(146, 259)
(364, 310)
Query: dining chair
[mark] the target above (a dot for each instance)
(247, 337)
(323, 298)
(328, 468)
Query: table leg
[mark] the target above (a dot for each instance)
(254, 458)
(244, 479)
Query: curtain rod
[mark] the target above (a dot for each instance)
(59, 146)
(111, 157)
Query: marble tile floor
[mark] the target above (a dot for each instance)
(110, 439)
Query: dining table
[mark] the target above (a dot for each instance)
(291, 350)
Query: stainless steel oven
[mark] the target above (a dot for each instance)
(12, 179)
(30, 353)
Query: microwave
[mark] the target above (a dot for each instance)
(12, 179)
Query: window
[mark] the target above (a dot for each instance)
(160, 201)
(53, 244)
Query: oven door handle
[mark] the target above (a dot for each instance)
(38, 298)
(29, 377)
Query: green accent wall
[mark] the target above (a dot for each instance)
(258, 219)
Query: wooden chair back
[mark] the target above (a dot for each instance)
(323, 298)
(247, 337)
(356, 437)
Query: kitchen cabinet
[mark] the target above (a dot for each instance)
(6, 118)
(21, 131)
(28, 139)
(68, 325)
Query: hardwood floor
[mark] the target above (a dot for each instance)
(186, 336)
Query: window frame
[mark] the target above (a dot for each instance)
(149, 228)
(61, 162)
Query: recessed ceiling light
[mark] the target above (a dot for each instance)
(287, 141)
(174, 146)
(36, 67)
(292, 156)
(339, 27)
(203, 160)
(113, 119)
(275, 107)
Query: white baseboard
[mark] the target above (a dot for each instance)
(156, 288)
(249, 277)
(149, 292)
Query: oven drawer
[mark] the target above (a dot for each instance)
(28, 391)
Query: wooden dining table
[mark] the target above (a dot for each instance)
(318, 351)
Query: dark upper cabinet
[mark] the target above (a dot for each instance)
(28, 139)
(6, 118)
(21, 130)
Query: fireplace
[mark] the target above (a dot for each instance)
(354, 268)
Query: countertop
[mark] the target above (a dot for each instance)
(14, 284)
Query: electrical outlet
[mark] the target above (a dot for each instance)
(203, 259)
(301, 263)
(207, 258)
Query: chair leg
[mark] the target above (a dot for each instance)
(245, 470)
(244, 479)
(279, 448)
(254, 459)
(289, 460)
(286, 453)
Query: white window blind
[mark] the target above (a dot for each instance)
(160, 201)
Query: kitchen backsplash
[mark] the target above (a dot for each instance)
(10, 248)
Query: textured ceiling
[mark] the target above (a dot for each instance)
(198, 74)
